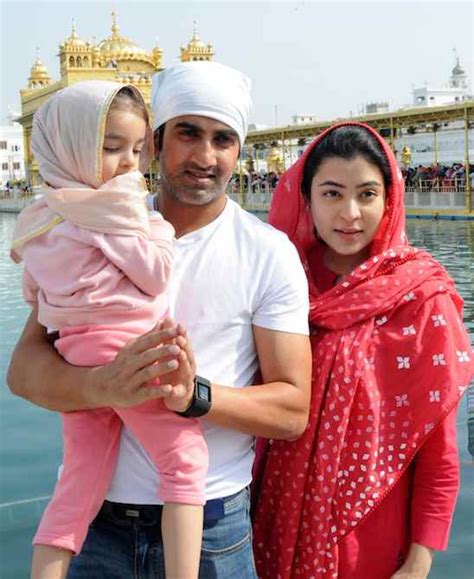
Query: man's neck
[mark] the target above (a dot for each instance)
(186, 218)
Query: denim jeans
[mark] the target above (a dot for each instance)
(118, 549)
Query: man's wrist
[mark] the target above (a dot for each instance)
(201, 400)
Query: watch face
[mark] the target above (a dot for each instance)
(203, 392)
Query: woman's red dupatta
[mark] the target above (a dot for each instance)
(391, 358)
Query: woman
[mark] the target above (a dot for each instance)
(369, 490)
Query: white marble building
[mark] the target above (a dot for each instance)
(12, 166)
(457, 90)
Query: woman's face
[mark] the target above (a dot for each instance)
(347, 205)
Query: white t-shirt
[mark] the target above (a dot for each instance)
(233, 273)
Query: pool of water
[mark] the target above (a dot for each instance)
(30, 437)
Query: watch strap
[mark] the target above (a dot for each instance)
(201, 401)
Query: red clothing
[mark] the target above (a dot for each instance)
(418, 510)
(391, 360)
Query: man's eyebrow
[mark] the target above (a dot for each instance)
(187, 125)
(219, 132)
(227, 133)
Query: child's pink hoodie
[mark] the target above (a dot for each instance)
(121, 278)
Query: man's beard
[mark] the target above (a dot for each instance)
(192, 194)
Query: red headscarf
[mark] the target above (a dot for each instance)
(390, 360)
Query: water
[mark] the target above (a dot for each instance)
(30, 439)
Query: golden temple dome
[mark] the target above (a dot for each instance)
(196, 49)
(39, 75)
(117, 45)
(196, 42)
(73, 42)
(38, 68)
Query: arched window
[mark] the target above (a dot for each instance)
(85, 61)
(79, 62)
(71, 62)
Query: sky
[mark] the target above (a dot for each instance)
(327, 59)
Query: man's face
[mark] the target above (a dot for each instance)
(197, 158)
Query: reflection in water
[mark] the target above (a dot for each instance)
(30, 443)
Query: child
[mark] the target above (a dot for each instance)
(97, 264)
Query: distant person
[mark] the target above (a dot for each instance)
(369, 490)
(239, 287)
(97, 264)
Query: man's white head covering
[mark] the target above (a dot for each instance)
(207, 89)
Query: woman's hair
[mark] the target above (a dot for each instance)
(347, 143)
(128, 100)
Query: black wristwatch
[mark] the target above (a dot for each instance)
(202, 399)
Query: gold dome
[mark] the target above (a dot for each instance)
(196, 42)
(38, 69)
(39, 75)
(116, 45)
(74, 42)
(196, 49)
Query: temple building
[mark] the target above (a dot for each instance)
(457, 90)
(116, 58)
(12, 168)
(196, 49)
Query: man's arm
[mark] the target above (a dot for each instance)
(279, 407)
(38, 374)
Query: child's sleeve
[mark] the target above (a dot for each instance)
(146, 262)
(30, 288)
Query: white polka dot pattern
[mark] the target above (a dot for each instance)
(389, 362)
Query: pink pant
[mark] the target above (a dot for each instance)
(175, 444)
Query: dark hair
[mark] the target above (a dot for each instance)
(346, 142)
(127, 99)
(158, 137)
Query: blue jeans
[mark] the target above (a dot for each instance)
(128, 548)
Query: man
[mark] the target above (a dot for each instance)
(240, 290)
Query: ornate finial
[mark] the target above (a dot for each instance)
(195, 31)
(115, 28)
(73, 29)
(37, 52)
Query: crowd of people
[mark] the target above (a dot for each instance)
(318, 357)
(436, 177)
(261, 182)
(15, 190)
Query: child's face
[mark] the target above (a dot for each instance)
(123, 142)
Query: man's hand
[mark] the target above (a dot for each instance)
(130, 379)
(181, 380)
